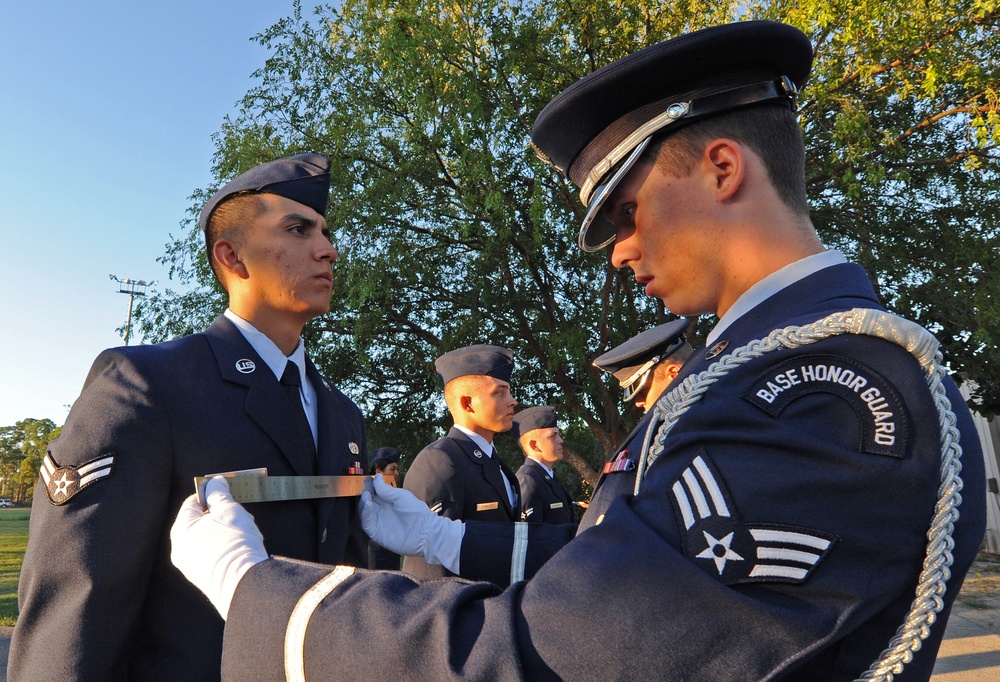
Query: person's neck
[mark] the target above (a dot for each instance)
(547, 464)
(282, 330)
(762, 251)
(485, 434)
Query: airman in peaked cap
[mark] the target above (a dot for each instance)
(773, 525)
(647, 363)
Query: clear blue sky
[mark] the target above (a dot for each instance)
(106, 117)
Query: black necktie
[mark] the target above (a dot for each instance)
(290, 382)
(494, 474)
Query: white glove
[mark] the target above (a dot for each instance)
(395, 519)
(214, 548)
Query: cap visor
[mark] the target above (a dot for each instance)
(596, 232)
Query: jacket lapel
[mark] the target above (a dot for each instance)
(265, 402)
(470, 448)
(336, 452)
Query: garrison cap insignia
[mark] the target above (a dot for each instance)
(716, 541)
(62, 483)
(883, 420)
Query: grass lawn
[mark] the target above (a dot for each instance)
(13, 541)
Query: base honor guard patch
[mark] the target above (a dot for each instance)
(881, 416)
(62, 483)
(717, 542)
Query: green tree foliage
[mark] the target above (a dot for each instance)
(452, 232)
(22, 449)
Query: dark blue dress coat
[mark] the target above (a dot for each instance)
(778, 537)
(452, 476)
(99, 598)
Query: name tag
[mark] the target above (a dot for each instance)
(487, 506)
(556, 505)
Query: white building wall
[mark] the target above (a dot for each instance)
(989, 436)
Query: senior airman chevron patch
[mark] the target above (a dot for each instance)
(62, 483)
(717, 542)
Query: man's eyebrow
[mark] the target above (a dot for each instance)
(299, 218)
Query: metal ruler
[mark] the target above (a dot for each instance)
(247, 487)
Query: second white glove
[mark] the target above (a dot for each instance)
(397, 520)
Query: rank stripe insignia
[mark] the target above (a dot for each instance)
(698, 480)
(792, 547)
(437, 507)
(715, 540)
(62, 483)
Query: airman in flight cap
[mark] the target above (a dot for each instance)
(543, 497)
(241, 395)
(462, 476)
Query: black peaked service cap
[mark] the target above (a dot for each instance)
(304, 178)
(493, 361)
(630, 360)
(597, 128)
(531, 418)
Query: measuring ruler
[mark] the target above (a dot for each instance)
(254, 487)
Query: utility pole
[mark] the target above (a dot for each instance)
(133, 288)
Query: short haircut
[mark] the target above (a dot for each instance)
(227, 221)
(467, 384)
(678, 357)
(379, 465)
(769, 129)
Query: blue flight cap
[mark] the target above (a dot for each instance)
(388, 453)
(630, 360)
(532, 418)
(493, 361)
(304, 178)
(597, 128)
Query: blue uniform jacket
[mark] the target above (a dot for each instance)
(543, 495)
(779, 536)
(99, 598)
(450, 476)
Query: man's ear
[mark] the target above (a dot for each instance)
(673, 370)
(533, 445)
(726, 160)
(466, 402)
(227, 256)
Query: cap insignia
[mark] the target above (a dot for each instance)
(715, 350)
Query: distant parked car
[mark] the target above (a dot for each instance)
(6, 502)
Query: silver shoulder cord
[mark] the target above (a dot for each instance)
(932, 583)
